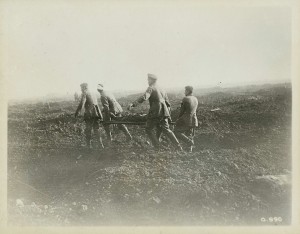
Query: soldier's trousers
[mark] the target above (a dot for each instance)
(122, 127)
(159, 130)
(92, 124)
(160, 125)
(185, 134)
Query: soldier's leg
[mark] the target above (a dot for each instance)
(184, 135)
(164, 125)
(191, 134)
(158, 133)
(150, 125)
(88, 132)
(96, 128)
(107, 131)
(124, 129)
(107, 127)
(159, 130)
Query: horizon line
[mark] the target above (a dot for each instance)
(131, 91)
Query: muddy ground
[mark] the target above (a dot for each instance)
(238, 174)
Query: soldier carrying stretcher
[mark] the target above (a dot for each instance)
(111, 110)
(91, 115)
(158, 113)
(187, 119)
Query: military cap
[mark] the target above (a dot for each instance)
(84, 85)
(152, 76)
(189, 88)
(100, 87)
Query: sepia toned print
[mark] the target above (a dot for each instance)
(239, 171)
(148, 115)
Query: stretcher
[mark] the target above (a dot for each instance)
(127, 122)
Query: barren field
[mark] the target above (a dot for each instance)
(238, 174)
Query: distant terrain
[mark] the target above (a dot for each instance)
(238, 174)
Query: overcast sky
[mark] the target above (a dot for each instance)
(51, 47)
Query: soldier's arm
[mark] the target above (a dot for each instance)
(182, 107)
(143, 98)
(81, 104)
(167, 101)
(99, 113)
(105, 104)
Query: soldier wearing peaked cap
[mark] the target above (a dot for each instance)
(158, 114)
(187, 119)
(91, 115)
(111, 109)
(152, 76)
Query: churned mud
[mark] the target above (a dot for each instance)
(238, 174)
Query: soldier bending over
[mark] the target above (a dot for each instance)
(111, 109)
(91, 115)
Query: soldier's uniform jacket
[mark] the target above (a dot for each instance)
(91, 109)
(110, 105)
(158, 101)
(187, 116)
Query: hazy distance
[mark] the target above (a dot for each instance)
(50, 47)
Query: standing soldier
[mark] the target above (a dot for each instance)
(111, 109)
(158, 113)
(187, 119)
(91, 115)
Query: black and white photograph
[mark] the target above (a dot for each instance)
(147, 113)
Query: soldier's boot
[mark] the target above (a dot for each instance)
(190, 149)
(98, 136)
(153, 138)
(191, 146)
(158, 134)
(124, 129)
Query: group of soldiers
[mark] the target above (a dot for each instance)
(158, 118)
